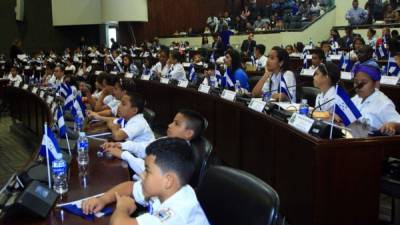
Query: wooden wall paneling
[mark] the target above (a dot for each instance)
(258, 142)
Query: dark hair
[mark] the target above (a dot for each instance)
(176, 55)
(325, 43)
(62, 68)
(111, 79)
(101, 77)
(164, 50)
(129, 58)
(394, 33)
(128, 85)
(299, 46)
(50, 65)
(261, 48)
(373, 32)
(136, 100)
(331, 70)
(283, 56)
(173, 155)
(194, 121)
(320, 53)
(358, 39)
(236, 61)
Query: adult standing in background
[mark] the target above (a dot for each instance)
(248, 45)
(16, 49)
(114, 45)
(356, 15)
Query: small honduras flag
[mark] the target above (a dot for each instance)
(305, 61)
(253, 60)
(345, 108)
(61, 124)
(228, 79)
(381, 52)
(345, 63)
(50, 142)
(78, 108)
(284, 88)
(392, 69)
(192, 72)
(212, 57)
(66, 93)
(146, 71)
(121, 121)
(218, 76)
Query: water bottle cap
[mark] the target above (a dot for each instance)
(82, 134)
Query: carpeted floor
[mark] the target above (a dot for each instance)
(15, 152)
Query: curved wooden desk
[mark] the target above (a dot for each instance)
(318, 181)
(103, 174)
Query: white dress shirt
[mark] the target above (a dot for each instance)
(182, 208)
(276, 81)
(139, 135)
(322, 99)
(376, 110)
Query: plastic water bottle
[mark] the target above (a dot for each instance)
(83, 149)
(303, 110)
(237, 86)
(213, 81)
(78, 124)
(59, 173)
(311, 43)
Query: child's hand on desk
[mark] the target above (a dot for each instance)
(388, 128)
(107, 145)
(92, 205)
(116, 152)
(92, 114)
(125, 203)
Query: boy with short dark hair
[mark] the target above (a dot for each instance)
(163, 189)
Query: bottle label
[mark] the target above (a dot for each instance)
(83, 145)
(59, 167)
(303, 111)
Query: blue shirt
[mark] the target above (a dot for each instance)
(225, 36)
(356, 16)
(242, 77)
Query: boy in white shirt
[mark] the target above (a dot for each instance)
(163, 189)
(176, 71)
(14, 78)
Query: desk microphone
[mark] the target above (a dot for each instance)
(299, 84)
(319, 106)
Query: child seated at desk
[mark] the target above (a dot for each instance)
(187, 125)
(325, 78)
(377, 110)
(163, 189)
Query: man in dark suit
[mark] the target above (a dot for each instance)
(248, 45)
